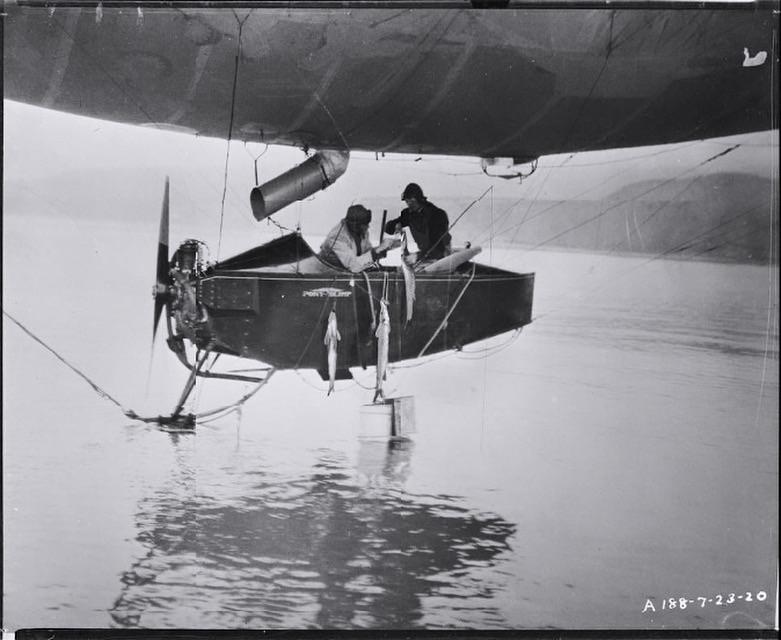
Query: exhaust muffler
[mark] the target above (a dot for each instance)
(312, 175)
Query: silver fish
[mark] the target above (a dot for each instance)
(382, 333)
(409, 281)
(332, 336)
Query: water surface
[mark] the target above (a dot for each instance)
(621, 450)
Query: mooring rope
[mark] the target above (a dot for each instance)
(99, 390)
(129, 412)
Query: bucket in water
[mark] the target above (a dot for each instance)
(389, 418)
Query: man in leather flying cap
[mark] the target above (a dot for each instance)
(427, 222)
(347, 245)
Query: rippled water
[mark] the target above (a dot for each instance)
(622, 449)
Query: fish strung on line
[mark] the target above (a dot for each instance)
(409, 279)
(371, 300)
(332, 336)
(382, 333)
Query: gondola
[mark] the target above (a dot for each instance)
(272, 303)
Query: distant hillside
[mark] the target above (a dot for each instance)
(725, 216)
(722, 216)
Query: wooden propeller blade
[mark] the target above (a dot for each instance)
(161, 281)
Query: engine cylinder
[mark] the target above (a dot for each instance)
(187, 255)
(312, 175)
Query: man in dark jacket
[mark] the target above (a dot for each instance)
(427, 222)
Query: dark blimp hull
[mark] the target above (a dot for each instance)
(280, 319)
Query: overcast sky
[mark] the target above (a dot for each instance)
(53, 160)
(45, 142)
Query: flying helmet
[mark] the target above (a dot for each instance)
(413, 190)
(358, 214)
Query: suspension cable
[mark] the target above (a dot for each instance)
(235, 405)
(449, 312)
(618, 204)
(230, 129)
(100, 391)
(129, 412)
(450, 226)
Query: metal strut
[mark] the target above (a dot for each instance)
(188, 387)
(176, 344)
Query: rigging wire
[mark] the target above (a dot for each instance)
(491, 238)
(469, 206)
(255, 159)
(419, 362)
(128, 95)
(668, 148)
(230, 127)
(449, 312)
(558, 203)
(587, 99)
(100, 391)
(484, 395)
(622, 202)
(199, 387)
(282, 228)
(643, 156)
(664, 205)
(129, 412)
(452, 224)
(682, 246)
(234, 406)
(575, 291)
(537, 195)
(505, 214)
(662, 254)
(772, 318)
(331, 116)
(479, 354)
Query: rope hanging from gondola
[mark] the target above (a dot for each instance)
(130, 413)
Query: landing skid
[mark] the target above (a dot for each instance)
(179, 421)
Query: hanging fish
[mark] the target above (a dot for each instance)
(332, 336)
(409, 279)
(382, 333)
(371, 300)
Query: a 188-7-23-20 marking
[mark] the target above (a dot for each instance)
(679, 603)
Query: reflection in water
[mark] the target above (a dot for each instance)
(333, 550)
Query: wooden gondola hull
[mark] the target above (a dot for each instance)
(280, 318)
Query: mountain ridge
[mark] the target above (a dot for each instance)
(721, 216)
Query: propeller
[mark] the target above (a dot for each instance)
(161, 282)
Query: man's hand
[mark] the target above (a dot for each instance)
(389, 243)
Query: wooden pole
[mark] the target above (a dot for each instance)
(382, 228)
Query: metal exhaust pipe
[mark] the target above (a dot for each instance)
(312, 175)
